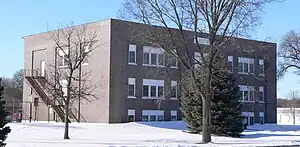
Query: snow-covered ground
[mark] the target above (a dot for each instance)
(45, 134)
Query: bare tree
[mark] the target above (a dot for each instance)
(289, 53)
(17, 79)
(67, 81)
(293, 97)
(217, 20)
(14, 85)
(289, 59)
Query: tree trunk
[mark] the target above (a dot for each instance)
(206, 108)
(294, 119)
(66, 134)
(206, 127)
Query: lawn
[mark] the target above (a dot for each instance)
(44, 134)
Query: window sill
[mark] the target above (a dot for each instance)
(261, 74)
(246, 101)
(152, 98)
(173, 98)
(243, 73)
(261, 102)
(64, 66)
(132, 64)
(131, 97)
(150, 65)
(175, 67)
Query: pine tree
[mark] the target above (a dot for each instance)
(226, 108)
(191, 107)
(227, 117)
(4, 130)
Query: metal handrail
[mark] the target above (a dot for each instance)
(31, 73)
(81, 116)
(39, 89)
(73, 113)
(72, 108)
(36, 73)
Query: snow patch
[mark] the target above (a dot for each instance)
(44, 134)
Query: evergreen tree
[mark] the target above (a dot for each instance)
(191, 107)
(4, 130)
(226, 112)
(227, 119)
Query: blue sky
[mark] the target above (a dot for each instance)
(21, 18)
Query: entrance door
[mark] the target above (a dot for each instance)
(43, 64)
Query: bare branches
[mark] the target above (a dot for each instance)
(289, 53)
(215, 21)
(75, 43)
(68, 80)
(293, 97)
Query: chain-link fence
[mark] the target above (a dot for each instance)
(13, 106)
(37, 111)
(26, 111)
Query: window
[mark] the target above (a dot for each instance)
(145, 118)
(145, 91)
(131, 115)
(173, 62)
(248, 117)
(251, 120)
(131, 87)
(160, 91)
(261, 117)
(230, 63)
(246, 65)
(153, 56)
(246, 96)
(173, 115)
(152, 115)
(251, 66)
(153, 59)
(85, 55)
(197, 57)
(161, 59)
(246, 120)
(251, 92)
(160, 118)
(63, 84)
(241, 95)
(261, 94)
(153, 89)
(245, 68)
(240, 67)
(130, 118)
(174, 89)
(261, 67)
(63, 58)
(202, 40)
(132, 54)
(247, 93)
(36, 102)
(146, 58)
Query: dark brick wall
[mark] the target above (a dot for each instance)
(125, 33)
